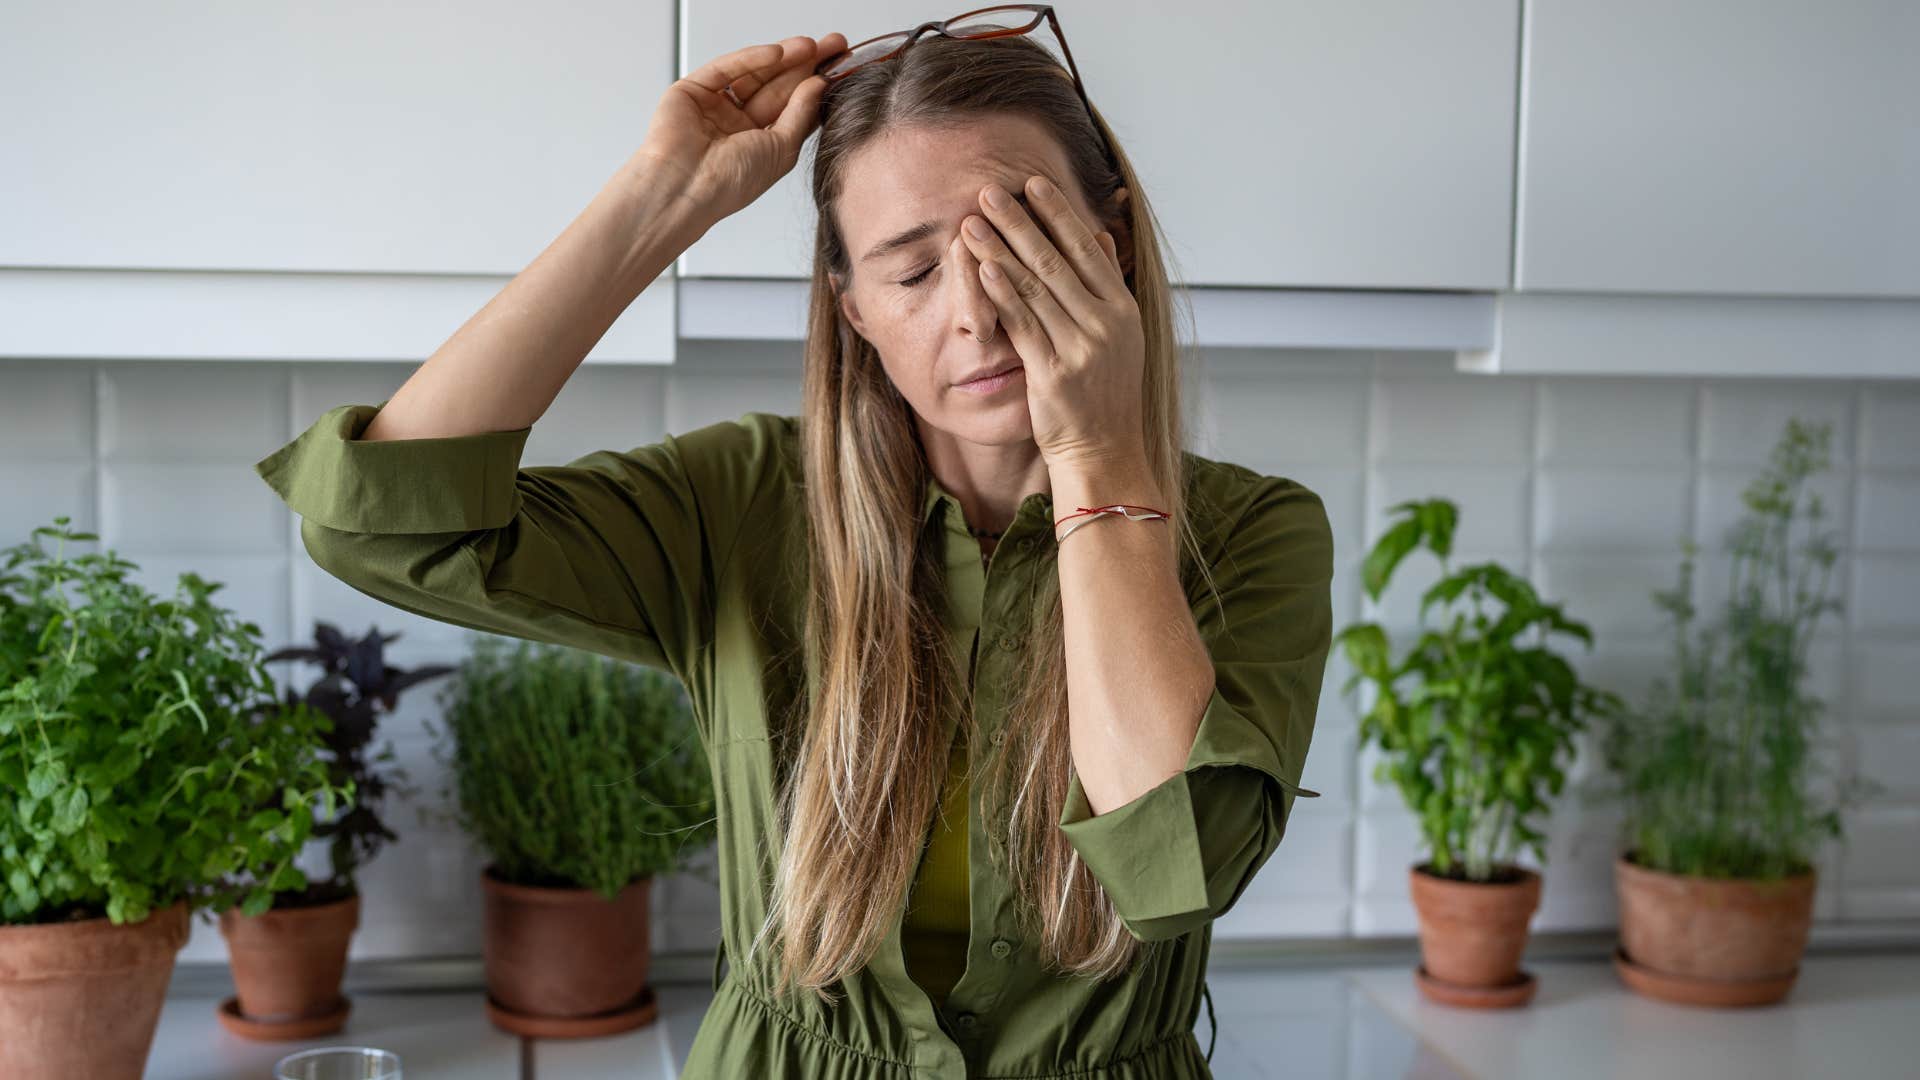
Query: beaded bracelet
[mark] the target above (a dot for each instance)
(1112, 508)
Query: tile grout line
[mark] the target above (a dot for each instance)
(1356, 793)
(295, 547)
(100, 453)
(1844, 708)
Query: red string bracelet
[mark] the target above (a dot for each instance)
(1111, 508)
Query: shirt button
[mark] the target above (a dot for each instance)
(999, 736)
(1002, 947)
(966, 1021)
(1010, 642)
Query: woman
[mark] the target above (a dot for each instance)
(976, 814)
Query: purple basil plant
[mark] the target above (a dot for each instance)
(356, 687)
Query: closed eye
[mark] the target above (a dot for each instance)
(919, 277)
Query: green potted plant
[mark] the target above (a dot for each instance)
(1717, 768)
(581, 777)
(287, 961)
(1475, 721)
(145, 773)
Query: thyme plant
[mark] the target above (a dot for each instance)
(1478, 716)
(574, 770)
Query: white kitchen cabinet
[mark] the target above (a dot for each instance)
(1297, 143)
(182, 152)
(1549, 333)
(1720, 147)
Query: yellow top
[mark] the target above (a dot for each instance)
(934, 932)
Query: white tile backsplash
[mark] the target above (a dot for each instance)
(1741, 419)
(46, 412)
(1616, 508)
(1887, 517)
(1587, 485)
(1431, 419)
(1890, 426)
(1588, 422)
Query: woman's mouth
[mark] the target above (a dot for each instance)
(993, 383)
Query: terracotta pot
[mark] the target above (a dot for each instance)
(287, 963)
(83, 998)
(1472, 935)
(564, 953)
(1711, 941)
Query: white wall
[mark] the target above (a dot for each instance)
(1587, 484)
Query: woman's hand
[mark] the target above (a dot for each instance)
(728, 155)
(1072, 319)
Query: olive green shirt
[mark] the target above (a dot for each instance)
(688, 555)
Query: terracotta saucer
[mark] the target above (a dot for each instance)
(1510, 995)
(305, 1027)
(639, 1014)
(1693, 990)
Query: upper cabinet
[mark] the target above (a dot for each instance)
(1720, 146)
(362, 136)
(391, 165)
(1297, 143)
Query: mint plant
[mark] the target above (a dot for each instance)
(143, 760)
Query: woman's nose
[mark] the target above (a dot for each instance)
(973, 310)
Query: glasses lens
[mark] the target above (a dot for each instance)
(981, 23)
(863, 53)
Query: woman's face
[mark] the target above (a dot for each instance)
(906, 298)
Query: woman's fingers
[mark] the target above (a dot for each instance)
(722, 70)
(1033, 317)
(751, 69)
(1058, 272)
(770, 101)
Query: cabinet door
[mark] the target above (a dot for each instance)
(352, 135)
(1721, 146)
(1315, 143)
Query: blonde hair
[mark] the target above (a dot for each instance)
(869, 766)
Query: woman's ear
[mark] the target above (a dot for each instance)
(848, 309)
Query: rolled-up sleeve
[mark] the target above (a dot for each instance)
(615, 552)
(1183, 852)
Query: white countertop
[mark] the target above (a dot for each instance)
(1852, 1016)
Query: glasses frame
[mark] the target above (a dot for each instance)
(1041, 13)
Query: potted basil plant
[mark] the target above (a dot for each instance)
(146, 773)
(1477, 721)
(581, 777)
(288, 961)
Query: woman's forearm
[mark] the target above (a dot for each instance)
(1138, 674)
(504, 366)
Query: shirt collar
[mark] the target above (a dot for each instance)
(1036, 504)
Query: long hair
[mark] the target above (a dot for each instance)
(858, 803)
